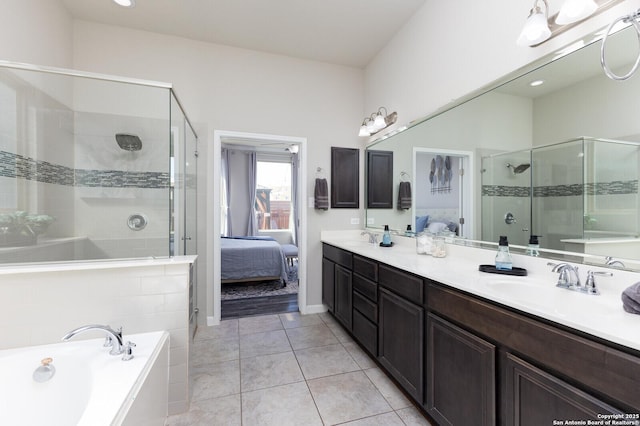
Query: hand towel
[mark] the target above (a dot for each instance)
(631, 299)
(321, 194)
(404, 196)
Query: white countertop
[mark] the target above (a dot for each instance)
(19, 268)
(601, 316)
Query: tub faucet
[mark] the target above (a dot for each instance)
(614, 263)
(373, 237)
(115, 337)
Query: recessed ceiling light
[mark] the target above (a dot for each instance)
(125, 3)
(536, 83)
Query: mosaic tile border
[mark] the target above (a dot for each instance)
(20, 167)
(600, 188)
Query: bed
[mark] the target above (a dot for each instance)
(252, 259)
(437, 219)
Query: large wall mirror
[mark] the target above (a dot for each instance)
(562, 157)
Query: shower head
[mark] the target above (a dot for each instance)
(128, 142)
(518, 169)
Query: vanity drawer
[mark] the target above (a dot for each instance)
(365, 267)
(339, 256)
(403, 284)
(365, 332)
(368, 288)
(366, 307)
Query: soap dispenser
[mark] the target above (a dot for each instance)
(534, 245)
(503, 257)
(408, 232)
(386, 237)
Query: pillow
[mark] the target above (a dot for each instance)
(435, 227)
(421, 222)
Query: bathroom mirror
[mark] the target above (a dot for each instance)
(575, 102)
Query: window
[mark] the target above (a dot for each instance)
(273, 194)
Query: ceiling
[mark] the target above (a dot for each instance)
(344, 32)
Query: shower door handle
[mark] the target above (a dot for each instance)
(186, 238)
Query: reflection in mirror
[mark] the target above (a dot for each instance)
(516, 123)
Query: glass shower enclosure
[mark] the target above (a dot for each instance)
(93, 167)
(571, 194)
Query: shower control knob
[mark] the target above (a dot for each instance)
(509, 219)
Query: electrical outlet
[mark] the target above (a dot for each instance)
(370, 221)
(355, 221)
(311, 202)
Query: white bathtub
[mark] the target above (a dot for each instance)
(90, 387)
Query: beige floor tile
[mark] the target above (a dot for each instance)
(259, 324)
(386, 419)
(360, 356)
(225, 411)
(327, 318)
(226, 328)
(325, 361)
(284, 405)
(347, 397)
(312, 336)
(412, 417)
(215, 350)
(296, 319)
(269, 342)
(340, 333)
(388, 389)
(216, 380)
(269, 370)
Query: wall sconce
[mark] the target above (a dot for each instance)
(377, 121)
(539, 27)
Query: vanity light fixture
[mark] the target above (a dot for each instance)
(575, 10)
(125, 3)
(539, 27)
(536, 29)
(377, 121)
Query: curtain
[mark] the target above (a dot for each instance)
(293, 220)
(226, 195)
(252, 226)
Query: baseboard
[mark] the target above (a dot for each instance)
(314, 309)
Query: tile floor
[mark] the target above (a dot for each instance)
(289, 369)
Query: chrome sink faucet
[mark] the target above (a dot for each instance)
(373, 237)
(568, 277)
(114, 338)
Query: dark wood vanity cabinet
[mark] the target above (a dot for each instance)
(401, 341)
(532, 397)
(467, 360)
(345, 178)
(460, 375)
(337, 283)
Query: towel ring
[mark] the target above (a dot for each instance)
(404, 175)
(632, 18)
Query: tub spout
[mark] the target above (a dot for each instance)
(113, 335)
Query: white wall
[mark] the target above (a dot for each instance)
(241, 90)
(37, 32)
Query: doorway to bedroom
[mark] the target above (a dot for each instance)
(260, 224)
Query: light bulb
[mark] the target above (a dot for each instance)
(535, 31)
(575, 10)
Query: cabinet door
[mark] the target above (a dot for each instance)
(379, 179)
(344, 296)
(345, 178)
(460, 375)
(401, 341)
(328, 283)
(532, 397)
